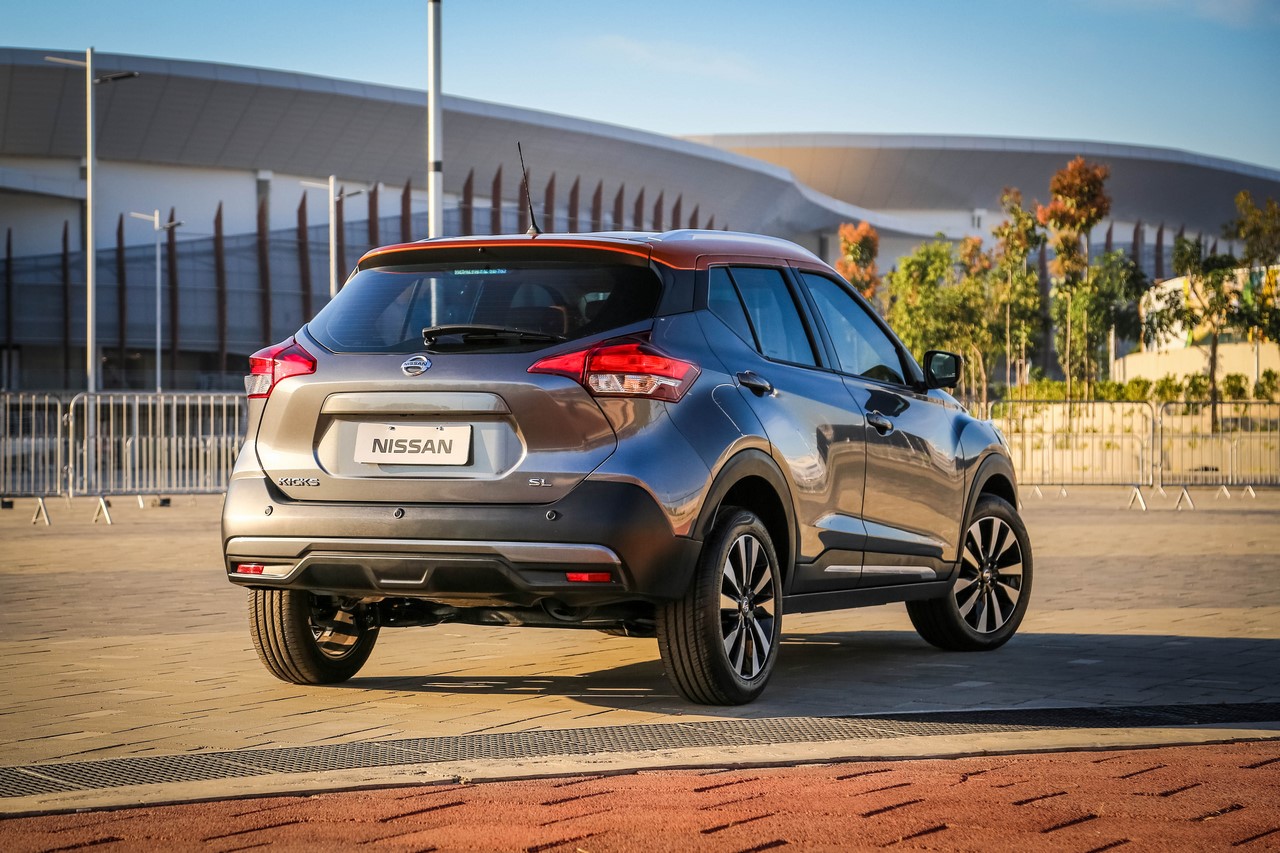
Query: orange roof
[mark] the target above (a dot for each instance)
(679, 249)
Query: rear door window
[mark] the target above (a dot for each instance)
(385, 309)
(779, 332)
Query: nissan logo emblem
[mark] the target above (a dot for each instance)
(416, 365)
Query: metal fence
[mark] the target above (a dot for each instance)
(1244, 450)
(33, 445)
(1080, 443)
(153, 443)
(119, 444)
(186, 443)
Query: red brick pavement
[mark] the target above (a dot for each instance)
(1177, 798)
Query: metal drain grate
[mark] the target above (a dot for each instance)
(37, 779)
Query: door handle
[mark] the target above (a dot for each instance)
(883, 425)
(757, 383)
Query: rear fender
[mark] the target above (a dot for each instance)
(746, 465)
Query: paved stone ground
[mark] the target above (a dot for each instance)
(127, 640)
(1187, 798)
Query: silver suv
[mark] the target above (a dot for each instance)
(682, 435)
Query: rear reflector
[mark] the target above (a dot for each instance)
(588, 577)
(265, 570)
(626, 368)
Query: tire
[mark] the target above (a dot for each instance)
(992, 587)
(308, 639)
(720, 640)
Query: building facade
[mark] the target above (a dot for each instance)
(227, 149)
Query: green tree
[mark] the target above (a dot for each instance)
(1267, 386)
(1078, 202)
(1016, 283)
(942, 297)
(1109, 299)
(1207, 308)
(916, 291)
(1258, 228)
(1235, 386)
(1167, 389)
(1137, 389)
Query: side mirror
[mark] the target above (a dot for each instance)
(941, 369)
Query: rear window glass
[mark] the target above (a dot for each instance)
(385, 309)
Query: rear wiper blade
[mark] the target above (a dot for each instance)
(472, 332)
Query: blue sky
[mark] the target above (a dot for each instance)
(1197, 75)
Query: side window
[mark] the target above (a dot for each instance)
(724, 303)
(773, 314)
(861, 345)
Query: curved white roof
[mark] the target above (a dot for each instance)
(207, 115)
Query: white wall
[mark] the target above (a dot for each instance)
(37, 222)
(1232, 358)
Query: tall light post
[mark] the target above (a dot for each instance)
(334, 195)
(90, 283)
(160, 228)
(435, 144)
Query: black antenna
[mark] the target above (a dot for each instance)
(534, 230)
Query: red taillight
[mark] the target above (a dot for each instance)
(268, 366)
(588, 577)
(250, 569)
(624, 369)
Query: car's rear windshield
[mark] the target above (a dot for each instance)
(386, 309)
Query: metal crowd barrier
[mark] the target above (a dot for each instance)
(1243, 451)
(186, 443)
(144, 444)
(32, 446)
(1078, 443)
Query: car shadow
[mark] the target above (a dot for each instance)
(870, 672)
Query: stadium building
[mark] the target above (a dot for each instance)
(233, 153)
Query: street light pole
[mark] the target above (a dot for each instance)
(435, 146)
(334, 195)
(90, 158)
(154, 219)
(91, 290)
(333, 238)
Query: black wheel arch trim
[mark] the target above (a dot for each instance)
(993, 465)
(752, 462)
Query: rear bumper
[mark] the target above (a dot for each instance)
(460, 554)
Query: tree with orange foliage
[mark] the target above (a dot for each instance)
(1078, 202)
(859, 245)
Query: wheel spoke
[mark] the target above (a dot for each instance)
(972, 552)
(735, 642)
(963, 583)
(999, 538)
(967, 606)
(984, 612)
(764, 584)
(1011, 593)
(1012, 571)
(750, 560)
(731, 586)
(1009, 542)
(994, 606)
(983, 536)
(335, 633)
(759, 648)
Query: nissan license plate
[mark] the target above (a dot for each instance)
(413, 444)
